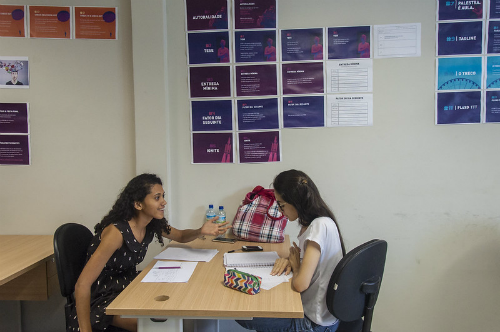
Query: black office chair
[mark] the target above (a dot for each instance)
(71, 242)
(355, 284)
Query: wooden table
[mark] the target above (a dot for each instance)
(27, 267)
(205, 296)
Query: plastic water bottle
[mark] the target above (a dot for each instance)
(210, 214)
(222, 215)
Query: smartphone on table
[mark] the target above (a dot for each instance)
(251, 248)
(223, 239)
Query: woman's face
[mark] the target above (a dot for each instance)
(153, 206)
(287, 209)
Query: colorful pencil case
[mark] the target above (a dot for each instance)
(244, 282)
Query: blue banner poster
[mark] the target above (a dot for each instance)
(258, 114)
(493, 72)
(492, 106)
(494, 11)
(212, 81)
(302, 78)
(15, 150)
(255, 46)
(255, 14)
(259, 147)
(349, 42)
(208, 47)
(460, 10)
(461, 73)
(493, 38)
(206, 15)
(302, 44)
(458, 107)
(460, 38)
(213, 148)
(256, 80)
(303, 112)
(211, 115)
(14, 118)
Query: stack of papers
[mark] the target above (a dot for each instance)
(170, 272)
(187, 254)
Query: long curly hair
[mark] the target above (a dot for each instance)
(299, 190)
(123, 210)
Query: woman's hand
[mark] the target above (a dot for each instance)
(211, 228)
(294, 257)
(281, 265)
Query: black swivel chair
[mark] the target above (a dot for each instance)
(71, 242)
(355, 284)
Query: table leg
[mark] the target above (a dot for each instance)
(147, 325)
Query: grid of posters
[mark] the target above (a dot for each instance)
(58, 22)
(468, 61)
(14, 134)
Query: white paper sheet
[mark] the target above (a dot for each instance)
(397, 40)
(187, 254)
(181, 274)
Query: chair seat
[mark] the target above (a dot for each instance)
(354, 326)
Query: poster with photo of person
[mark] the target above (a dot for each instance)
(14, 72)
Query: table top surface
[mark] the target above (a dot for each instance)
(205, 295)
(21, 253)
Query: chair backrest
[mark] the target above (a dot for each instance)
(355, 283)
(71, 242)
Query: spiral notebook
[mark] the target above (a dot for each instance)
(249, 259)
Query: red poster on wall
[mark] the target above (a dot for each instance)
(12, 21)
(96, 22)
(50, 22)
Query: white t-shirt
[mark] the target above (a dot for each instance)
(324, 232)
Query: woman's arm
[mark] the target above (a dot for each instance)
(303, 272)
(187, 235)
(111, 240)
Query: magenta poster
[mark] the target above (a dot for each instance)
(213, 148)
(256, 80)
(206, 15)
(259, 147)
(349, 42)
(14, 118)
(256, 114)
(302, 44)
(208, 47)
(206, 82)
(255, 14)
(255, 46)
(302, 78)
(14, 150)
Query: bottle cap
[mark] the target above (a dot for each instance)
(211, 206)
(221, 207)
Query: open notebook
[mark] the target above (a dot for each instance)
(250, 259)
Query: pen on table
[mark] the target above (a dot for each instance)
(168, 267)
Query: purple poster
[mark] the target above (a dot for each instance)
(302, 78)
(213, 148)
(256, 80)
(460, 10)
(492, 106)
(303, 112)
(255, 14)
(13, 118)
(493, 37)
(211, 115)
(259, 147)
(349, 42)
(255, 114)
(208, 47)
(458, 107)
(460, 38)
(302, 44)
(14, 150)
(206, 15)
(210, 81)
(494, 11)
(255, 46)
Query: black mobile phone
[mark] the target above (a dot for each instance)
(251, 248)
(223, 239)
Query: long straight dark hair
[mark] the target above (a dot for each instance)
(297, 189)
(123, 210)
